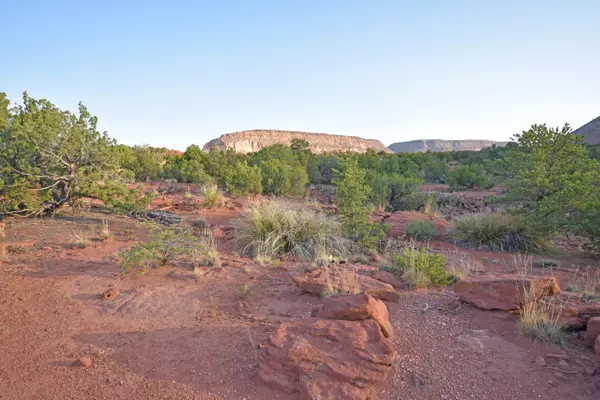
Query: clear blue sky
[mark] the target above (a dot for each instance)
(173, 73)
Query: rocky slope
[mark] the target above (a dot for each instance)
(254, 140)
(590, 132)
(415, 146)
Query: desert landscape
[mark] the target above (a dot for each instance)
(342, 287)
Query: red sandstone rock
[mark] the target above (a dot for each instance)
(327, 359)
(355, 308)
(507, 292)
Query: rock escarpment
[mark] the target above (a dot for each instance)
(590, 132)
(254, 140)
(437, 145)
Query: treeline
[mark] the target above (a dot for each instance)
(50, 157)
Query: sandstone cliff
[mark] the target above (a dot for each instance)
(436, 145)
(254, 140)
(590, 132)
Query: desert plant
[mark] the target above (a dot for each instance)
(200, 223)
(420, 230)
(459, 265)
(105, 230)
(245, 290)
(78, 239)
(415, 264)
(284, 229)
(212, 195)
(431, 208)
(539, 321)
(166, 244)
(341, 281)
(467, 177)
(498, 231)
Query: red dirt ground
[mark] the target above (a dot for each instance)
(171, 334)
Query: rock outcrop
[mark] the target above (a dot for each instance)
(590, 132)
(344, 358)
(254, 140)
(437, 145)
(504, 292)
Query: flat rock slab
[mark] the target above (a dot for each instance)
(327, 359)
(504, 292)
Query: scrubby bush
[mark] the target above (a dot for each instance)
(540, 321)
(467, 177)
(166, 244)
(420, 230)
(421, 269)
(284, 229)
(498, 231)
(352, 195)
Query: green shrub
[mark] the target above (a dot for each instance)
(421, 269)
(498, 231)
(467, 177)
(200, 223)
(167, 244)
(420, 230)
(279, 228)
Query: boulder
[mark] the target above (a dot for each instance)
(327, 359)
(505, 292)
(321, 280)
(592, 332)
(355, 308)
(388, 277)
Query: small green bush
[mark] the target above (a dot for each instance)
(467, 177)
(166, 244)
(498, 231)
(421, 269)
(420, 230)
(278, 228)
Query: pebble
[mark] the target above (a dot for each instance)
(84, 362)
(541, 361)
(563, 363)
(560, 375)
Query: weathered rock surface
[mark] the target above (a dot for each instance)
(254, 140)
(592, 332)
(597, 346)
(355, 308)
(422, 145)
(327, 359)
(504, 292)
(321, 280)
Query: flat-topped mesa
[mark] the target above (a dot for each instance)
(254, 140)
(439, 145)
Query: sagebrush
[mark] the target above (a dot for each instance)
(420, 230)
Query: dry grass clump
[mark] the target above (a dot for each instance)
(341, 281)
(280, 228)
(421, 268)
(105, 233)
(78, 239)
(2, 240)
(497, 231)
(540, 321)
(460, 265)
(212, 195)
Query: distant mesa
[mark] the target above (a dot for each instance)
(590, 132)
(254, 140)
(438, 145)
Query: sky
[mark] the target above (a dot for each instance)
(175, 73)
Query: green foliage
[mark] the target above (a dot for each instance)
(282, 170)
(435, 170)
(422, 269)
(467, 177)
(554, 182)
(352, 194)
(50, 157)
(420, 230)
(277, 229)
(240, 179)
(165, 245)
(144, 161)
(498, 231)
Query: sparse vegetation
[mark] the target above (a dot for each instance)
(420, 230)
(420, 268)
(278, 229)
(79, 239)
(498, 232)
(540, 322)
(105, 233)
(212, 195)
